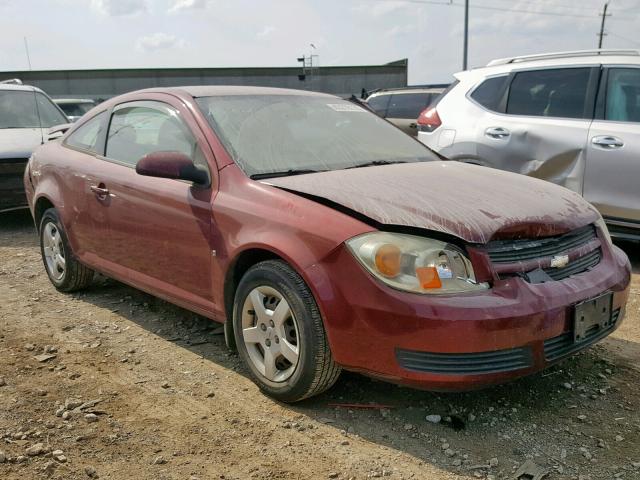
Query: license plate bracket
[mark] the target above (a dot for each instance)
(591, 316)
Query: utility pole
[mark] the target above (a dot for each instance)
(465, 48)
(604, 17)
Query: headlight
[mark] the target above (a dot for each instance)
(415, 264)
(604, 229)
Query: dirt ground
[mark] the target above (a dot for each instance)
(164, 399)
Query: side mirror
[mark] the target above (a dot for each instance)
(173, 165)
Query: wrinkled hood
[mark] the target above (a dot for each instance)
(20, 142)
(467, 201)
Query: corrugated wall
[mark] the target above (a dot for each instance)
(108, 83)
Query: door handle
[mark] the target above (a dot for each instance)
(497, 132)
(413, 125)
(100, 192)
(607, 142)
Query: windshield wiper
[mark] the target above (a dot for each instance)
(284, 173)
(375, 163)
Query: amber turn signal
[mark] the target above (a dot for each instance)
(428, 277)
(388, 260)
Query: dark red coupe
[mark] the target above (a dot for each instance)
(325, 238)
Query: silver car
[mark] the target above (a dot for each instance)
(26, 114)
(572, 118)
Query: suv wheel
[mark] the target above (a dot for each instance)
(64, 271)
(280, 335)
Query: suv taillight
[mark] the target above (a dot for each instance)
(429, 120)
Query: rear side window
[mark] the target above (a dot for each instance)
(408, 105)
(623, 95)
(379, 104)
(489, 93)
(549, 93)
(87, 135)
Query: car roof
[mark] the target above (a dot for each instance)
(20, 88)
(73, 100)
(558, 59)
(400, 91)
(233, 90)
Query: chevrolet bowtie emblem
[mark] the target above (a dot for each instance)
(559, 261)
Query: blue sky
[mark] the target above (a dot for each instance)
(77, 34)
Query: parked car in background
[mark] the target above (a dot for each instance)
(572, 118)
(26, 113)
(401, 106)
(74, 108)
(325, 238)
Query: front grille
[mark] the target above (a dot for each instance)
(526, 257)
(579, 265)
(511, 251)
(13, 166)
(563, 345)
(466, 363)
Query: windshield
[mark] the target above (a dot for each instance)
(76, 109)
(287, 133)
(18, 110)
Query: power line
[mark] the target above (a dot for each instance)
(506, 9)
(555, 5)
(624, 38)
(520, 10)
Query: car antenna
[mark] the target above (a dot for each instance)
(35, 99)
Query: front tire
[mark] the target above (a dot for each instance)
(63, 270)
(280, 335)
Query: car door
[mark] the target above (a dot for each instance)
(404, 109)
(87, 223)
(159, 229)
(613, 150)
(541, 125)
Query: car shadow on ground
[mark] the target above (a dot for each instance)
(530, 416)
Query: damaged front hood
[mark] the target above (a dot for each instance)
(467, 201)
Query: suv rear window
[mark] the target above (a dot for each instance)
(549, 93)
(489, 93)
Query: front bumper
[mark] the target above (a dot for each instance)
(457, 342)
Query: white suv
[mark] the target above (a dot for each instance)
(572, 118)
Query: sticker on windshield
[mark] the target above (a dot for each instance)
(345, 107)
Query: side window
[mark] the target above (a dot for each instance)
(139, 129)
(407, 105)
(623, 95)
(549, 93)
(87, 135)
(489, 93)
(379, 104)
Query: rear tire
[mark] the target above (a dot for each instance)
(63, 270)
(280, 335)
